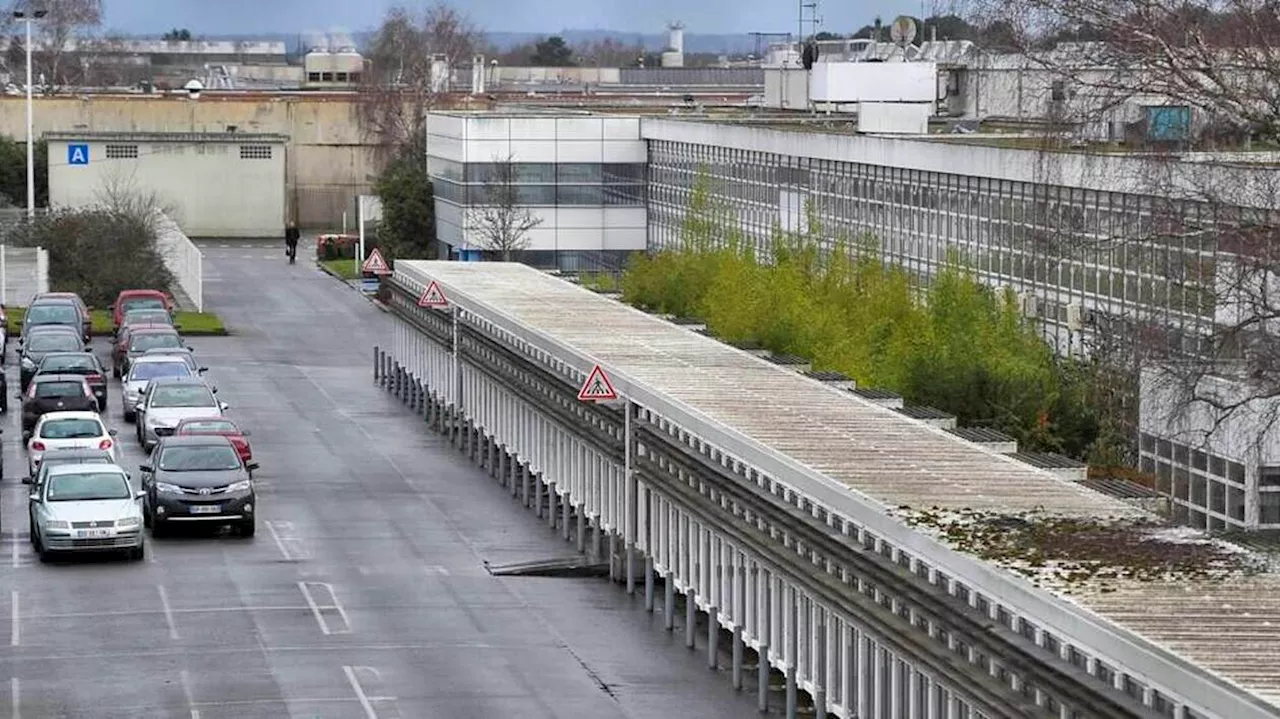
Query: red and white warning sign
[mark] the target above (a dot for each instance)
(597, 388)
(433, 296)
(375, 264)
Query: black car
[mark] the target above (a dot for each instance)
(56, 311)
(40, 341)
(85, 364)
(56, 393)
(198, 479)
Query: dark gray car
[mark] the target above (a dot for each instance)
(197, 479)
(43, 340)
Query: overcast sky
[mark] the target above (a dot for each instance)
(707, 16)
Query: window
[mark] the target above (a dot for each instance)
(152, 370)
(212, 458)
(255, 152)
(182, 396)
(88, 487)
(71, 429)
(208, 425)
(313, 77)
(154, 340)
(66, 363)
(1269, 508)
(326, 77)
(355, 77)
(60, 342)
(1269, 476)
(122, 152)
(59, 389)
(341, 76)
(52, 315)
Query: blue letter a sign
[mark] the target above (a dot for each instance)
(78, 154)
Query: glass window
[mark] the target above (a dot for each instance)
(1235, 472)
(57, 363)
(1218, 497)
(1181, 454)
(586, 173)
(1198, 491)
(536, 195)
(71, 429)
(182, 396)
(148, 317)
(1235, 503)
(1269, 476)
(59, 389)
(1165, 448)
(154, 340)
(1199, 460)
(1180, 484)
(88, 487)
(580, 195)
(52, 314)
(142, 303)
(207, 425)
(152, 370)
(50, 342)
(211, 458)
(623, 173)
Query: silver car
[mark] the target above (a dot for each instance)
(143, 370)
(169, 400)
(87, 508)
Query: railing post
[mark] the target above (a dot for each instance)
(377, 371)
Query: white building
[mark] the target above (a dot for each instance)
(213, 184)
(582, 177)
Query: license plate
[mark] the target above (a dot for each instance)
(206, 509)
(92, 533)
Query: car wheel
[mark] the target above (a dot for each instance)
(130, 416)
(147, 518)
(247, 528)
(115, 371)
(138, 553)
(159, 527)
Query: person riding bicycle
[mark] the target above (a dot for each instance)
(291, 235)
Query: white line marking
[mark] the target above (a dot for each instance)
(365, 703)
(15, 695)
(15, 628)
(437, 569)
(168, 612)
(337, 607)
(17, 557)
(185, 677)
(274, 528)
(315, 608)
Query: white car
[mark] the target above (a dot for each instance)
(68, 430)
(86, 508)
(144, 369)
(169, 400)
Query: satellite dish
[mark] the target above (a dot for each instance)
(902, 31)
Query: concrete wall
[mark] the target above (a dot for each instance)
(327, 162)
(24, 273)
(211, 186)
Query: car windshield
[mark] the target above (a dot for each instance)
(182, 396)
(59, 389)
(53, 314)
(152, 370)
(53, 342)
(212, 458)
(68, 363)
(71, 429)
(88, 487)
(142, 317)
(142, 303)
(154, 340)
(208, 425)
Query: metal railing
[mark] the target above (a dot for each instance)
(183, 258)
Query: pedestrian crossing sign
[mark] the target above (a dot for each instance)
(375, 264)
(597, 388)
(433, 296)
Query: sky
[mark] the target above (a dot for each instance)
(651, 16)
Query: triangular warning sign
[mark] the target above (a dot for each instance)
(433, 296)
(597, 387)
(375, 264)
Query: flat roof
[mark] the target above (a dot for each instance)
(1220, 612)
(181, 137)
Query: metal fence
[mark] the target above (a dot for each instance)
(184, 260)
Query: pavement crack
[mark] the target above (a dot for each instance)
(595, 677)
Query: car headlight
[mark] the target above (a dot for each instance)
(57, 524)
(166, 488)
(128, 522)
(244, 486)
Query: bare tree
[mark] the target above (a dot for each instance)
(410, 60)
(500, 220)
(63, 32)
(122, 194)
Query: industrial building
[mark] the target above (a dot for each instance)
(188, 174)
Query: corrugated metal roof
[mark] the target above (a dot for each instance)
(1229, 627)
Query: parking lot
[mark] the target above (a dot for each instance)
(363, 593)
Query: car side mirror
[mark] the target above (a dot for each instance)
(34, 498)
(224, 406)
(177, 326)
(26, 436)
(88, 348)
(28, 480)
(246, 433)
(251, 465)
(113, 432)
(213, 390)
(202, 370)
(145, 468)
(139, 494)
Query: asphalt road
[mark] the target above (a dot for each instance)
(363, 594)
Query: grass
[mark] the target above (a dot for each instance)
(192, 324)
(346, 269)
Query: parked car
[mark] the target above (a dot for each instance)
(56, 393)
(54, 311)
(148, 316)
(85, 364)
(186, 354)
(140, 339)
(86, 507)
(197, 479)
(139, 299)
(67, 430)
(58, 458)
(41, 341)
(168, 401)
(85, 311)
(220, 426)
(143, 370)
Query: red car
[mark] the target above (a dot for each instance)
(220, 426)
(139, 299)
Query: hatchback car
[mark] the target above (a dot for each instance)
(42, 341)
(85, 364)
(68, 430)
(169, 400)
(138, 299)
(198, 479)
(56, 393)
(86, 318)
(64, 313)
(143, 370)
(140, 339)
(86, 508)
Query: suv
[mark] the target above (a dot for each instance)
(73, 298)
(56, 393)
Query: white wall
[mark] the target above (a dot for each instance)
(212, 191)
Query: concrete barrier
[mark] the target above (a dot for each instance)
(184, 260)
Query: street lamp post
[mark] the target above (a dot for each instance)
(27, 16)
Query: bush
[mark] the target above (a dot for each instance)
(99, 252)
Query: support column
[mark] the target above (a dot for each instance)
(820, 671)
(690, 617)
(566, 532)
(582, 529)
(630, 495)
(793, 658)
(713, 637)
(537, 496)
(765, 617)
(526, 475)
(669, 601)
(648, 583)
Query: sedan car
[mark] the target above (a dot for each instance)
(41, 341)
(56, 393)
(198, 479)
(85, 364)
(220, 426)
(139, 339)
(143, 370)
(58, 458)
(169, 400)
(68, 430)
(86, 507)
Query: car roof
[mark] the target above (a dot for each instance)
(139, 293)
(58, 296)
(52, 300)
(162, 351)
(179, 380)
(57, 377)
(94, 467)
(151, 327)
(194, 440)
(75, 414)
(149, 358)
(53, 328)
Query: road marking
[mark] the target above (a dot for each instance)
(168, 612)
(365, 703)
(15, 696)
(15, 628)
(185, 677)
(17, 555)
(318, 609)
(437, 569)
(282, 533)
